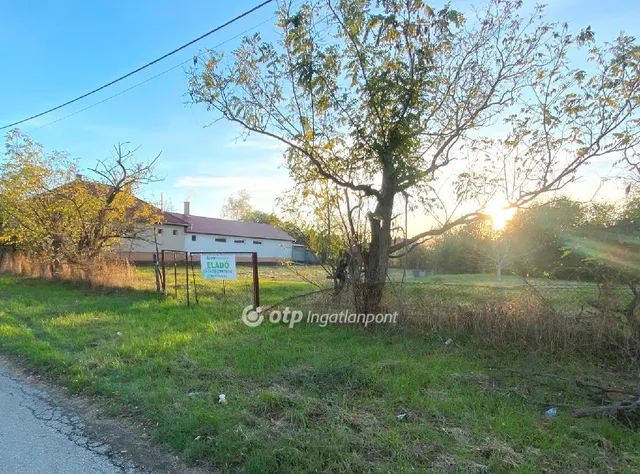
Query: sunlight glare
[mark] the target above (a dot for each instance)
(500, 215)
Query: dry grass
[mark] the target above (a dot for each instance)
(101, 273)
(528, 324)
(520, 321)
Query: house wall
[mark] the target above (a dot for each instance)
(142, 248)
(268, 249)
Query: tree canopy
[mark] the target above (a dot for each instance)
(383, 98)
(48, 210)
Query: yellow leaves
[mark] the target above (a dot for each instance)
(391, 34)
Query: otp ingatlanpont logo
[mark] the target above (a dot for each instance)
(252, 317)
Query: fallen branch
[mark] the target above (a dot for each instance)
(613, 409)
(579, 383)
(596, 394)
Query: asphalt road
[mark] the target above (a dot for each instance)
(37, 437)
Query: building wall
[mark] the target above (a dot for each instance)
(142, 249)
(166, 240)
(267, 249)
(301, 254)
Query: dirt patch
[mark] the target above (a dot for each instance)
(126, 437)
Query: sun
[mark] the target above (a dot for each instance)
(500, 214)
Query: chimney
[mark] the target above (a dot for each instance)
(187, 207)
(78, 177)
(162, 202)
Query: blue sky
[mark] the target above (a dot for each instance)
(52, 51)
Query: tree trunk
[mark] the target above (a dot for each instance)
(369, 293)
(499, 271)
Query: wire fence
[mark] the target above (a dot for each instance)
(208, 277)
(562, 296)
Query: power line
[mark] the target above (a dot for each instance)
(218, 28)
(147, 80)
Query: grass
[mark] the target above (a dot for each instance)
(465, 289)
(306, 399)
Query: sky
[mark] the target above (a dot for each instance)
(53, 51)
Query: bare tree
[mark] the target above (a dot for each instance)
(237, 207)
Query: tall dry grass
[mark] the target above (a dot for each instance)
(524, 324)
(100, 272)
(527, 324)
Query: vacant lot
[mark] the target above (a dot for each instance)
(566, 296)
(333, 399)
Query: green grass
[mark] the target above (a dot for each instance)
(565, 296)
(306, 399)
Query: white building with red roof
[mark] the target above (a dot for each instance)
(188, 233)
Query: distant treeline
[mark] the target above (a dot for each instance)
(562, 239)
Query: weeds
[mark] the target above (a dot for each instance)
(527, 324)
(100, 272)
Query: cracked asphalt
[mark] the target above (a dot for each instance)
(37, 437)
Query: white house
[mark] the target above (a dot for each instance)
(184, 232)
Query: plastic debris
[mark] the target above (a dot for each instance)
(119, 333)
(222, 398)
(551, 412)
(193, 394)
(404, 415)
(448, 342)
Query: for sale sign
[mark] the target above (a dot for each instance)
(218, 267)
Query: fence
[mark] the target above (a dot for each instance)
(562, 296)
(180, 266)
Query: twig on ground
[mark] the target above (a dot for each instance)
(610, 409)
(613, 409)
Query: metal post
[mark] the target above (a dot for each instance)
(256, 280)
(195, 288)
(175, 275)
(186, 269)
(156, 272)
(164, 275)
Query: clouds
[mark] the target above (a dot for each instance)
(228, 182)
(209, 192)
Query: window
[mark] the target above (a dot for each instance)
(159, 231)
(257, 242)
(193, 238)
(175, 232)
(238, 241)
(220, 239)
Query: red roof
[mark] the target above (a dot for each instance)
(213, 226)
